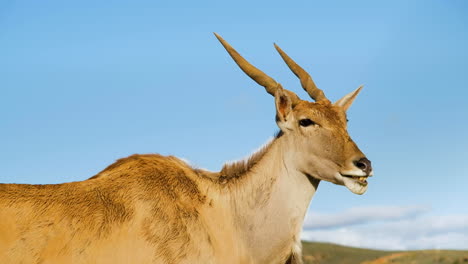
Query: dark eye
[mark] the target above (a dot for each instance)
(306, 122)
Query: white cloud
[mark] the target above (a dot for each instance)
(391, 228)
(361, 215)
(428, 225)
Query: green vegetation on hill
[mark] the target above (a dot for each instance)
(325, 253)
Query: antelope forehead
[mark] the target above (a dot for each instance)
(320, 114)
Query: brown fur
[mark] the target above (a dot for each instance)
(242, 167)
(166, 186)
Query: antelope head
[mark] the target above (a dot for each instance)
(318, 143)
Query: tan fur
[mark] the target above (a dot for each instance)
(156, 209)
(144, 207)
(148, 199)
(236, 169)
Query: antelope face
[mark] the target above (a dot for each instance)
(316, 133)
(321, 147)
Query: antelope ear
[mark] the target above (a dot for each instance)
(283, 103)
(346, 101)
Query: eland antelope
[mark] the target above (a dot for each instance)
(157, 209)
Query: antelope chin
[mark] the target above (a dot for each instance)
(356, 184)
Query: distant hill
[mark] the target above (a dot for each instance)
(325, 253)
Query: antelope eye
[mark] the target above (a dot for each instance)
(306, 122)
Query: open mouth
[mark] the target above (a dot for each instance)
(356, 184)
(359, 179)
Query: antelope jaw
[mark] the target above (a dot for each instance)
(356, 184)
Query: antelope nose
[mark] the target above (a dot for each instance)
(364, 164)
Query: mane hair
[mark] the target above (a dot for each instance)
(239, 168)
(231, 170)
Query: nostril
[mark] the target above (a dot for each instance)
(360, 165)
(364, 164)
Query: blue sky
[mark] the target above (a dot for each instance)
(83, 84)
